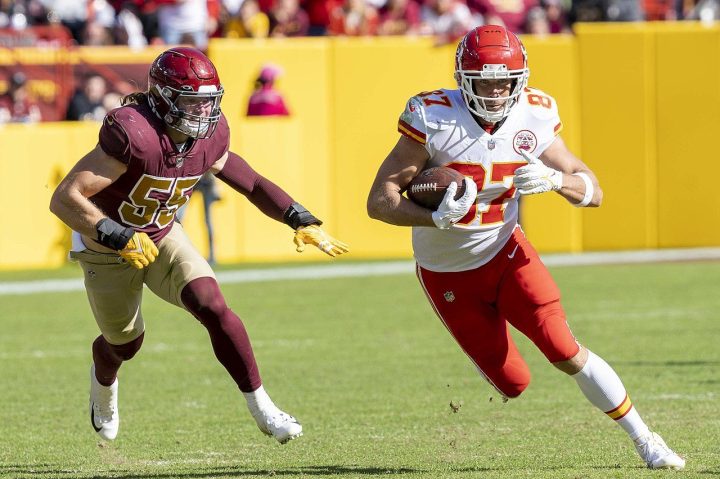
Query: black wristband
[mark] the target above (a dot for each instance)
(296, 216)
(112, 234)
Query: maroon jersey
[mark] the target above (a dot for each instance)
(159, 179)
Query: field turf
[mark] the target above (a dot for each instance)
(379, 385)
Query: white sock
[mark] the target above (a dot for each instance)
(604, 389)
(259, 402)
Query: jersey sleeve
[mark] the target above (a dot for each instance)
(114, 140)
(412, 121)
(545, 117)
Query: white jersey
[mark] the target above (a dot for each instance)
(441, 122)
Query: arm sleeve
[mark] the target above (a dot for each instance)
(114, 140)
(263, 193)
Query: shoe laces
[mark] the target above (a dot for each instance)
(104, 405)
(653, 447)
(279, 419)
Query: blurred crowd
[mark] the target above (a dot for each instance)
(137, 23)
(140, 22)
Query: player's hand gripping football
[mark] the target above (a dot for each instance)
(535, 177)
(140, 251)
(315, 236)
(450, 210)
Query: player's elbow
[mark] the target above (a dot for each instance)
(373, 210)
(55, 202)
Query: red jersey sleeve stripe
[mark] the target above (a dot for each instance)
(558, 128)
(411, 132)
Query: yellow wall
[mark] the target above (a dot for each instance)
(644, 94)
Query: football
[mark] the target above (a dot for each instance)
(428, 188)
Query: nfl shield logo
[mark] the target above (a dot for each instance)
(449, 296)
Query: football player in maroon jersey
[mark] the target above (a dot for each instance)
(120, 200)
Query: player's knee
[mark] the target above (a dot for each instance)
(512, 390)
(202, 297)
(128, 350)
(510, 384)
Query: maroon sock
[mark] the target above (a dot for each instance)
(108, 357)
(202, 297)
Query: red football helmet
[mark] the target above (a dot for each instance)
(490, 52)
(185, 91)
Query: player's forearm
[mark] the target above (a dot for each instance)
(76, 211)
(575, 187)
(392, 208)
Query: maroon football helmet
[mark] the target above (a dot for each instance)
(490, 52)
(185, 91)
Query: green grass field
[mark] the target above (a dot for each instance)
(370, 372)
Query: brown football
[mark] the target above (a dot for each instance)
(428, 187)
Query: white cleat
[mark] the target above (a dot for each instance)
(279, 425)
(656, 454)
(104, 415)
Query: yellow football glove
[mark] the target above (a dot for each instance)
(140, 251)
(315, 236)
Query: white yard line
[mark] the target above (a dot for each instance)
(381, 269)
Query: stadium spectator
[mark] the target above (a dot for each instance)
(474, 263)
(624, 11)
(353, 18)
(86, 103)
(249, 22)
(537, 22)
(399, 17)
(17, 104)
(72, 14)
(265, 99)
(129, 27)
(287, 19)
(707, 11)
(188, 18)
(556, 15)
(511, 15)
(120, 201)
(447, 20)
(319, 15)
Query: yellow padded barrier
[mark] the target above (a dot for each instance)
(631, 110)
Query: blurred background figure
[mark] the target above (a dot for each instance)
(129, 26)
(184, 20)
(248, 22)
(706, 11)
(448, 20)
(399, 17)
(87, 101)
(287, 19)
(16, 104)
(510, 14)
(73, 14)
(556, 15)
(354, 18)
(207, 187)
(266, 100)
(537, 22)
(100, 23)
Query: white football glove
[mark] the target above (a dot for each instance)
(535, 177)
(450, 211)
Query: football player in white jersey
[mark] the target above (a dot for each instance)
(478, 270)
